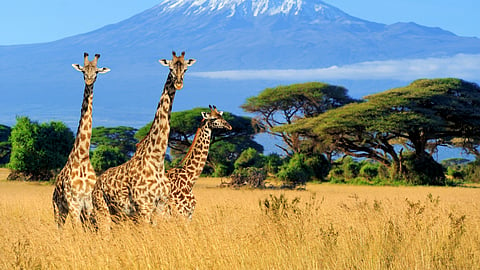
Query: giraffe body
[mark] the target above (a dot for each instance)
(137, 187)
(75, 182)
(183, 178)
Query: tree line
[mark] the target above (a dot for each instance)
(325, 135)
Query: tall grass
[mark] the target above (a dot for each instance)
(324, 227)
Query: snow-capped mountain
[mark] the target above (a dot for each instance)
(37, 79)
(250, 7)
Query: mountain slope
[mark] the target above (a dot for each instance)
(221, 35)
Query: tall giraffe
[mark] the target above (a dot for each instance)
(74, 183)
(135, 188)
(183, 178)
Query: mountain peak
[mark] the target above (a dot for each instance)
(249, 7)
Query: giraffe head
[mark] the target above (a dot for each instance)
(178, 66)
(214, 119)
(90, 69)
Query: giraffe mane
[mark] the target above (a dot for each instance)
(190, 149)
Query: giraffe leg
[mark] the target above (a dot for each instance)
(75, 213)
(87, 213)
(101, 215)
(145, 213)
(60, 215)
(187, 206)
(192, 204)
(60, 210)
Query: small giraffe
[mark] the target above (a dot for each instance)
(74, 183)
(135, 188)
(183, 178)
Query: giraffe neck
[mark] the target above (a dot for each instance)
(196, 157)
(81, 146)
(155, 144)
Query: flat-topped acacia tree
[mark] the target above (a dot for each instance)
(284, 104)
(418, 117)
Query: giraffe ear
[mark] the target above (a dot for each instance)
(103, 70)
(190, 62)
(205, 115)
(77, 67)
(164, 62)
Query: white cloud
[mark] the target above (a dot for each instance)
(464, 66)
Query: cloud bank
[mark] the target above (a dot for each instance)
(464, 66)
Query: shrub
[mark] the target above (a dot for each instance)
(5, 145)
(249, 158)
(472, 172)
(351, 168)
(39, 150)
(272, 163)
(384, 172)
(456, 172)
(369, 171)
(319, 166)
(253, 177)
(221, 170)
(295, 172)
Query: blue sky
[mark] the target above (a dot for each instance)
(33, 21)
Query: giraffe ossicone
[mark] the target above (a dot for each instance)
(178, 66)
(75, 182)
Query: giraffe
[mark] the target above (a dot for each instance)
(74, 183)
(183, 178)
(135, 188)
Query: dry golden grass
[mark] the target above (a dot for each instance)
(332, 227)
(4, 173)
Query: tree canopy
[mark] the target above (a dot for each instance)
(120, 137)
(419, 117)
(284, 104)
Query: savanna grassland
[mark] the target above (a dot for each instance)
(323, 227)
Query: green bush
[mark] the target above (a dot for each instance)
(249, 158)
(319, 166)
(221, 170)
(456, 172)
(351, 168)
(295, 172)
(5, 145)
(272, 163)
(384, 172)
(472, 172)
(369, 170)
(39, 150)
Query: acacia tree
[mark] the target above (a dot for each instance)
(120, 137)
(225, 146)
(284, 104)
(420, 117)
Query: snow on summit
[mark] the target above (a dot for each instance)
(247, 7)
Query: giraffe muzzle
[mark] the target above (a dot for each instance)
(178, 85)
